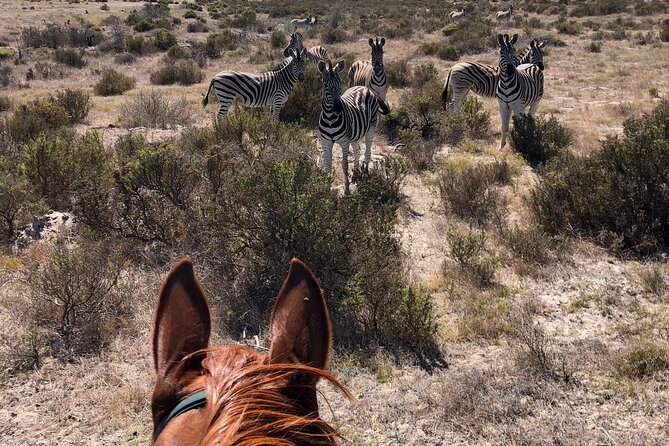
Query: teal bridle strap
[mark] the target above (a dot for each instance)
(195, 401)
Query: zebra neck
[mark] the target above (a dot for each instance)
(523, 58)
(328, 105)
(507, 74)
(285, 75)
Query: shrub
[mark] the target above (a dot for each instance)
(164, 40)
(641, 359)
(442, 50)
(76, 319)
(5, 76)
(138, 45)
(570, 27)
(81, 34)
(419, 152)
(216, 43)
(333, 35)
(70, 56)
(32, 119)
(532, 244)
(113, 83)
(125, 58)
(5, 103)
(474, 36)
(594, 47)
(469, 192)
(468, 250)
(155, 109)
(398, 73)
(475, 118)
(197, 27)
(14, 198)
(664, 31)
(538, 139)
(49, 165)
(278, 40)
(617, 195)
(182, 72)
(304, 102)
(76, 102)
(190, 14)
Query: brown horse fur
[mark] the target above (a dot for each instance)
(253, 399)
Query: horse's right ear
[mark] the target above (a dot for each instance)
(286, 52)
(182, 324)
(499, 39)
(321, 66)
(301, 327)
(340, 66)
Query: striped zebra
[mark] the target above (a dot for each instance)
(314, 54)
(455, 16)
(516, 88)
(346, 118)
(482, 79)
(504, 16)
(371, 74)
(256, 90)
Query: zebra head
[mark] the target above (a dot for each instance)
(295, 43)
(331, 84)
(507, 53)
(377, 53)
(297, 64)
(537, 54)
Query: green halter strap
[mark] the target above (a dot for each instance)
(195, 401)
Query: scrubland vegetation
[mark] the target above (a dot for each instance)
(477, 296)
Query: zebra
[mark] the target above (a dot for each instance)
(346, 118)
(314, 54)
(504, 16)
(256, 90)
(482, 79)
(371, 74)
(303, 23)
(516, 88)
(456, 16)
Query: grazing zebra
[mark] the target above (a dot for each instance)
(256, 90)
(456, 16)
(314, 54)
(504, 16)
(482, 79)
(371, 74)
(346, 118)
(516, 88)
(303, 23)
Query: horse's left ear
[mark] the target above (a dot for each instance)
(383, 41)
(182, 325)
(301, 328)
(514, 39)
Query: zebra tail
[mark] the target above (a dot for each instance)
(205, 99)
(384, 108)
(444, 94)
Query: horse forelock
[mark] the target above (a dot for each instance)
(250, 402)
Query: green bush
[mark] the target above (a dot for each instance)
(538, 139)
(164, 40)
(197, 27)
(664, 31)
(278, 40)
(113, 83)
(49, 164)
(5, 76)
(641, 359)
(190, 14)
(304, 102)
(570, 27)
(138, 45)
(182, 72)
(333, 35)
(155, 109)
(442, 50)
(617, 195)
(5, 103)
(475, 118)
(70, 56)
(475, 35)
(76, 102)
(125, 59)
(217, 43)
(468, 250)
(532, 244)
(594, 47)
(470, 192)
(398, 73)
(32, 119)
(14, 199)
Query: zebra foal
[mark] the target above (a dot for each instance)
(256, 90)
(516, 88)
(346, 118)
(481, 78)
(371, 74)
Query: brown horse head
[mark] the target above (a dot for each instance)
(234, 395)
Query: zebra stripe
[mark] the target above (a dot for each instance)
(518, 87)
(482, 79)
(256, 90)
(371, 74)
(346, 118)
(314, 54)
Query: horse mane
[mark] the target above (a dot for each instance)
(249, 400)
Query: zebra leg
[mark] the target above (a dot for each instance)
(369, 139)
(533, 107)
(458, 99)
(344, 167)
(327, 145)
(505, 114)
(356, 153)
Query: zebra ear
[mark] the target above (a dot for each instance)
(542, 44)
(286, 52)
(321, 66)
(371, 42)
(499, 39)
(514, 39)
(303, 53)
(340, 66)
(383, 41)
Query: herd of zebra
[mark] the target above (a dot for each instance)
(346, 118)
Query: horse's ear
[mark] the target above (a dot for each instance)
(542, 44)
(321, 66)
(340, 66)
(286, 52)
(514, 39)
(301, 328)
(499, 39)
(383, 41)
(182, 325)
(371, 42)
